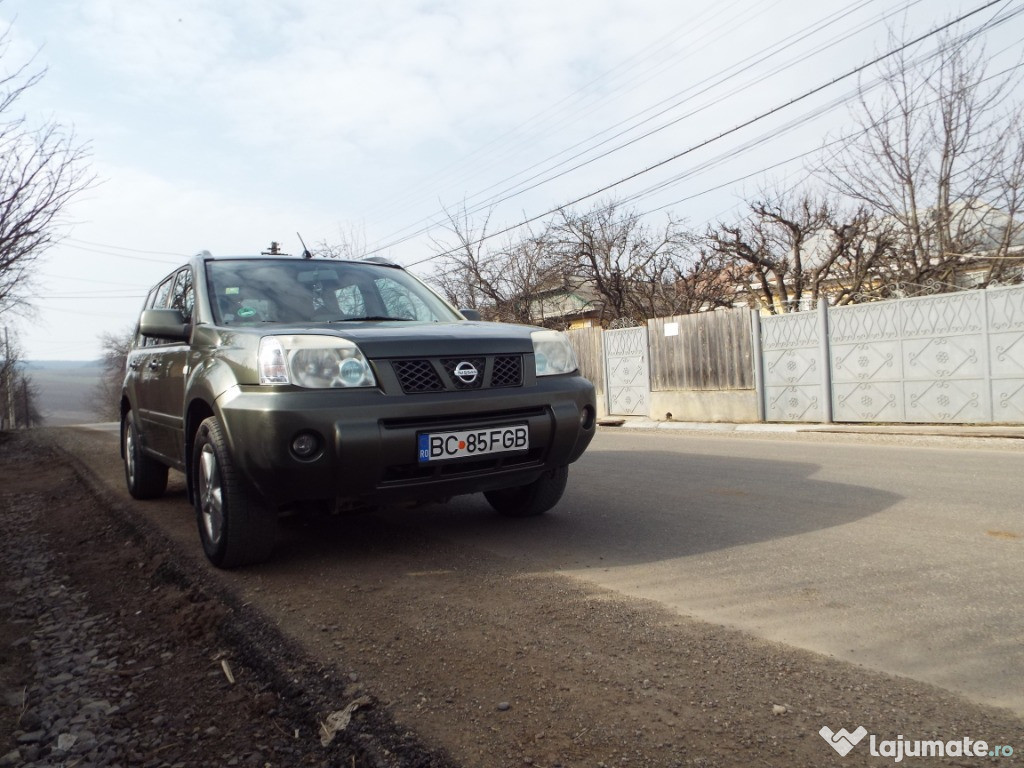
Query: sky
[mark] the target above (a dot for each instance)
(223, 125)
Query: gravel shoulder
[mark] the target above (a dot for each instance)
(116, 643)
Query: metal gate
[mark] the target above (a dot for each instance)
(795, 365)
(628, 377)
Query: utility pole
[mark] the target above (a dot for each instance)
(24, 397)
(9, 369)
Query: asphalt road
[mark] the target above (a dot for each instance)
(906, 558)
(902, 555)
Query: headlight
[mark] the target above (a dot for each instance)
(553, 353)
(315, 362)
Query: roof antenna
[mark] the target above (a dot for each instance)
(306, 253)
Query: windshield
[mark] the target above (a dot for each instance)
(289, 291)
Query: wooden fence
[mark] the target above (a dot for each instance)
(708, 350)
(701, 366)
(587, 344)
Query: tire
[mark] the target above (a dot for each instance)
(236, 527)
(533, 499)
(145, 476)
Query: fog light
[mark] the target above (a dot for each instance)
(305, 445)
(587, 417)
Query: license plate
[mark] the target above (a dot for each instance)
(437, 446)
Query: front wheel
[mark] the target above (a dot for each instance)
(235, 526)
(533, 499)
(145, 477)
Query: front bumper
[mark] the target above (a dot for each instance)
(369, 440)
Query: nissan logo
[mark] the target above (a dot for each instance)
(466, 372)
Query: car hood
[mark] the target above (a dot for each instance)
(407, 339)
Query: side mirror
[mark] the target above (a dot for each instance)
(471, 314)
(164, 324)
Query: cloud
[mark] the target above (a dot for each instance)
(161, 215)
(348, 77)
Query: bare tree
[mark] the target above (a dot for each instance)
(501, 281)
(9, 370)
(351, 244)
(106, 396)
(18, 394)
(862, 252)
(602, 260)
(1004, 261)
(936, 157)
(636, 270)
(41, 170)
(793, 247)
(701, 282)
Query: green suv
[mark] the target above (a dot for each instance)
(279, 384)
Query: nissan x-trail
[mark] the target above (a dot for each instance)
(281, 384)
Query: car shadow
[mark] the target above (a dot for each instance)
(620, 508)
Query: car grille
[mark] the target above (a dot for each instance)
(441, 374)
(452, 367)
(417, 376)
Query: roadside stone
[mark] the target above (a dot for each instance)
(93, 708)
(30, 720)
(66, 741)
(14, 757)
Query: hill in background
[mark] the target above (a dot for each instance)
(65, 389)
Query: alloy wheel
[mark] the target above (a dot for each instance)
(211, 494)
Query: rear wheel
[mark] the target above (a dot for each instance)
(236, 527)
(146, 477)
(533, 499)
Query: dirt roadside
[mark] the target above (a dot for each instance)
(110, 654)
(455, 658)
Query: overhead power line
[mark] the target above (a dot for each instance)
(735, 129)
(624, 127)
(635, 121)
(115, 251)
(107, 246)
(689, 173)
(578, 104)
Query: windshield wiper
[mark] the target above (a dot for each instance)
(371, 318)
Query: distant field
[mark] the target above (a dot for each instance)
(65, 389)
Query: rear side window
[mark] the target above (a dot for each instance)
(182, 298)
(162, 292)
(175, 292)
(140, 340)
